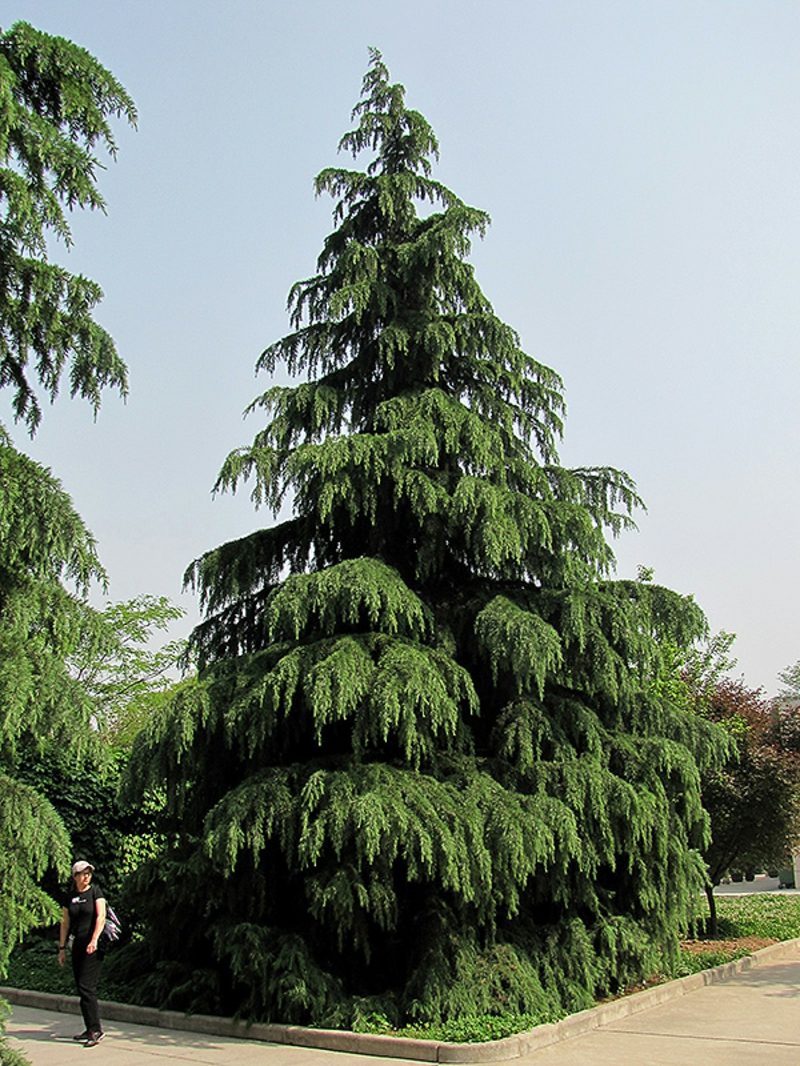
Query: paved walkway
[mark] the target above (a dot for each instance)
(46, 1038)
(754, 1015)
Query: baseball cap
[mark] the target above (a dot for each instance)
(81, 865)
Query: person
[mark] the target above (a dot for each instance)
(83, 917)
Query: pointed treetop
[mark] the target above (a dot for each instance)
(402, 137)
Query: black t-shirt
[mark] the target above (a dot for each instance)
(82, 910)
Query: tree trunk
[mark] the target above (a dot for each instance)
(711, 924)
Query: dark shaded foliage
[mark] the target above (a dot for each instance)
(426, 770)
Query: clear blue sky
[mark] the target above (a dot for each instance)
(641, 165)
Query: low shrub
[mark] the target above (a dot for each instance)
(34, 965)
(478, 1028)
(690, 962)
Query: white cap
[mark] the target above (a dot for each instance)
(81, 865)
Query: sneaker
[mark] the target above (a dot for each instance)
(94, 1039)
(82, 1036)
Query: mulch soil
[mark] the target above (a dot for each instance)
(747, 943)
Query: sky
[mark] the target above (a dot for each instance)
(641, 166)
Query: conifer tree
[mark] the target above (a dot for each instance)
(55, 105)
(56, 101)
(44, 544)
(427, 767)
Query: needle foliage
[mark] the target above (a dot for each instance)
(43, 544)
(56, 103)
(428, 769)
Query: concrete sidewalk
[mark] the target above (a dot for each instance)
(754, 1013)
(46, 1038)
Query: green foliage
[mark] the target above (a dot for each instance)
(32, 840)
(768, 915)
(705, 666)
(71, 679)
(55, 103)
(790, 679)
(117, 679)
(115, 836)
(117, 667)
(477, 1028)
(690, 962)
(41, 623)
(8, 1056)
(41, 706)
(34, 966)
(434, 765)
(753, 797)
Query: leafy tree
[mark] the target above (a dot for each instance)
(753, 796)
(790, 678)
(754, 799)
(55, 105)
(426, 768)
(121, 671)
(119, 679)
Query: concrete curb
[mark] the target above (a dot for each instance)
(510, 1047)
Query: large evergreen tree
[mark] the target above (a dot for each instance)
(428, 766)
(55, 105)
(42, 544)
(56, 102)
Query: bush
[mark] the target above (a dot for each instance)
(34, 966)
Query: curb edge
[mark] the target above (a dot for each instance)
(510, 1047)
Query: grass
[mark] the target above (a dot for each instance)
(768, 914)
(745, 923)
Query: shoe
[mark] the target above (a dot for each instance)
(82, 1036)
(94, 1039)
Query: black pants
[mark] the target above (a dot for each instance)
(86, 970)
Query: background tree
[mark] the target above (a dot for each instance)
(119, 678)
(753, 800)
(121, 670)
(790, 679)
(753, 797)
(426, 767)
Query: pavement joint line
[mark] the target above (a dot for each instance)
(759, 1041)
(510, 1047)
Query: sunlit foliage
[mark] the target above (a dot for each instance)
(428, 768)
